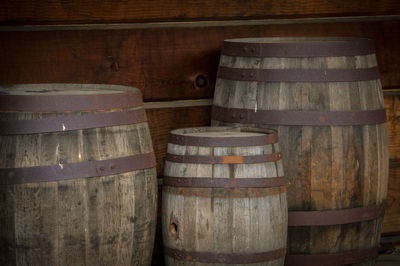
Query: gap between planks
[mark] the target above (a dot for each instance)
(197, 23)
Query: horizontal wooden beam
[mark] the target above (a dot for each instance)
(193, 24)
(177, 104)
(109, 11)
(163, 62)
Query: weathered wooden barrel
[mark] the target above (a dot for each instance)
(77, 176)
(224, 198)
(324, 97)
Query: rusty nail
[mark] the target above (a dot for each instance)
(112, 167)
(102, 168)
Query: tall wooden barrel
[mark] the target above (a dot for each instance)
(224, 198)
(77, 176)
(324, 97)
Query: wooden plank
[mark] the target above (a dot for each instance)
(392, 105)
(191, 24)
(94, 11)
(391, 222)
(163, 62)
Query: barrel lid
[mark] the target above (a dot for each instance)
(298, 47)
(223, 136)
(67, 97)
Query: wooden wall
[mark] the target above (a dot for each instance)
(162, 46)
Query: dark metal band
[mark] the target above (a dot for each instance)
(266, 139)
(343, 258)
(209, 182)
(208, 257)
(76, 170)
(298, 75)
(203, 159)
(299, 48)
(299, 118)
(73, 122)
(335, 217)
(54, 103)
(225, 193)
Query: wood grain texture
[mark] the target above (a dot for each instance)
(328, 167)
(105, 220)
(223, 224)
(391, 223)
(106, 11)
(392, 105)
(163, 62)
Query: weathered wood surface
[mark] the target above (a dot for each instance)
(391, 223)
(104, 220)
(223, 224)
(330, 167)
(163, 62)
(107, 11)
(392, 105)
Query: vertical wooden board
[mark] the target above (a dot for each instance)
(71, 229)
(27, 204)
(7, 203)
(145, 185)
(49, 237)
(391, 223)
(144, 219)
(7, 221)
(392, 105)
(126, 210)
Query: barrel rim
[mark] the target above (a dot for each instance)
(115, 97)
(270, 136)
(295, 40)
(298, 47)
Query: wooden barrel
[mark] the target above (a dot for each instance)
(77, 176)
(324, 97)
(224, 198)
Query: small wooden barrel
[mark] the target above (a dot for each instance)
(77, 176)
(324, 97)
(224, 198)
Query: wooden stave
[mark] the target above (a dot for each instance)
(205, 197)
(374, 90)
(88, 244)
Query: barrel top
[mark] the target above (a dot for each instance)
(223, 136)
(298, 46)
(67, 97)
(63, 89)
(297, 39)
